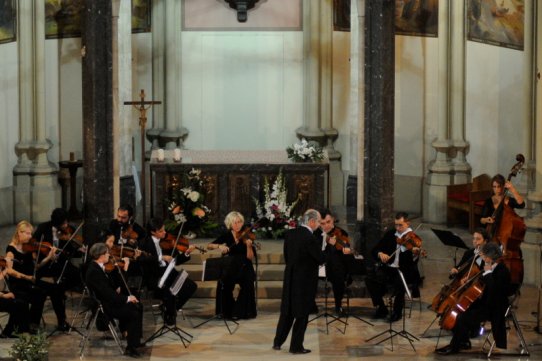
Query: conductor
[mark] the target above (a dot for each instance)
(302, 255)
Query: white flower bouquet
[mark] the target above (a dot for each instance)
(305, 152)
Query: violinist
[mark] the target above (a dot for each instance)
(119, 265)
(336, 245)
(125, 228)
(396, 250)
(155, 261)
(500, 186)
(22, 267)
(125, 308)
(237, 243)
(490, 306)
(60, 268)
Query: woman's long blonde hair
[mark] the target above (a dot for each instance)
(21, 225)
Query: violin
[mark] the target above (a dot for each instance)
(33, 245)
(342, 240)
(410, 241)
(130, 234)
(168, 242)
(3, 262)
(113, 263)
(245, 234)
(66, 234)
(124, 251)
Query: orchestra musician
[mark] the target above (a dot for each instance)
(236, 243)
(397, 250)
(479, 238)
(491, 305)
(52, 232)
(303, 255)
(22, 266)
(500, 185)
(125, 308)
(335, 243)
(126, 230)
(154, 264)
(17, 308)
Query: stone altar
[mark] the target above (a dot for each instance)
(234, 178)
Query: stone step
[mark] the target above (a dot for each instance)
(265, 272)
(266, 289)
(263, 257)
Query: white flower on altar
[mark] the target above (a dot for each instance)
(193, 196)
(305, 151)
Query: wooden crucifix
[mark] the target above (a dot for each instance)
(143, 105)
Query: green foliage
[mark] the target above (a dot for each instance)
(30, 347)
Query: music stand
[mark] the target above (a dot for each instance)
(450, 239)
(322, 275)
(216, 269)
(392, 333)
(184, 336)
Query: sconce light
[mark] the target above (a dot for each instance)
(242, 6)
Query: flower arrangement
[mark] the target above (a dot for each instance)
(305, 152)
(30, 347)
(186, 205)
(274, 214)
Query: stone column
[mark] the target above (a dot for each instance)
(462, 170)
(97, 64)
(379, 119)
(440, 168)
(36, 190)
(158, 77)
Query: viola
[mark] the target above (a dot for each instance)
(168, 242)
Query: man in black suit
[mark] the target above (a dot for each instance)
(117, 305)
(302, 255)
(155, 261)
(472, 255)
(393, 256)
(491, 305)
(125, 229)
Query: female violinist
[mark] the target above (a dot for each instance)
(16, 307)
(158, 253)
(336, 245)
(395, 251)
(237, 243)
(22, 266)
(491, 304)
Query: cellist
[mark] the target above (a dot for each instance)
(490, 306)
(479, 238)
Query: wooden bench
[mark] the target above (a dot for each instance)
(464, 202)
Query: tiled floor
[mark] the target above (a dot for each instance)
(252, 339)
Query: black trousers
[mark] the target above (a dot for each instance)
(286, 321)
(386, 280)
(130, 316)
(18, 315)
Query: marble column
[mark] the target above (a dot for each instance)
(379, 119)
(532, 247)
(318, 86)
(36, 189)
(97, 64)
(441, 168)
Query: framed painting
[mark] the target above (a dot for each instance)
(416, 17)
(8, 21)
(141, 16)
(496, 22)
(63, 18)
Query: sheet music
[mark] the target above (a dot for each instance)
(203, 273)
(169, 268)
(178, 283)
(322, 271)
(407, 291)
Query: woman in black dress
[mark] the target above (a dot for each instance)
(236, 243)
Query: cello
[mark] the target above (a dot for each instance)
(509, 230)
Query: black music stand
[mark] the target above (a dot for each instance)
(392, 333)
(450, 239)
(216, 269)
(184, 336)
(326, 314)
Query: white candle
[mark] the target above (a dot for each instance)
(176, 154)
(160, 155)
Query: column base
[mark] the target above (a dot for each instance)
(35, 196)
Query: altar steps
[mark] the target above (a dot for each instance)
(270, 270)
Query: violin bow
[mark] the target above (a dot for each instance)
(177, 239)
(121, 275)
(37, 257)
(72, 236)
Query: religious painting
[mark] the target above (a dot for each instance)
(63, 18)
(141, 16)
(7, 21)
(416, 17)
(267, 15)
(341, 15)
(496, 22)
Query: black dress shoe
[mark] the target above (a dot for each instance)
(302, 351)
(381, 312)
(276, 347)
(465, 345)
(395, 317)
(132, 352)
(447, 350)
(63, 327)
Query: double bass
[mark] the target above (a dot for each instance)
(509, 230)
